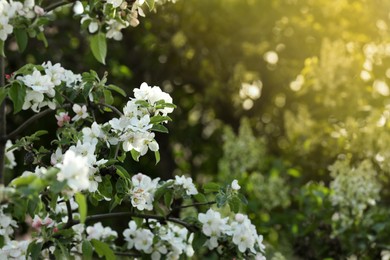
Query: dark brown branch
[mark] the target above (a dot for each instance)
(30, 121)
(190, 227)
(70, 221)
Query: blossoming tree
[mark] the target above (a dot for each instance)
(84, 163)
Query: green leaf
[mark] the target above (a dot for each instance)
(87, 250)
(98, 46)
(21, 39)
(82, 202)
(108, 99)
(157, 156)
(102, 249)
(168, 199)
(221, 200)
(122, 186)
(32, 205)
(159, 119)
(122, 172)
(17, 94)
(199, 240)
(34, 250)
(117, 89)
(160, 128)
(41, 36)
(105, 186)
(201, 199)
(211, 187)
(3, 94)
(242, 198)
(234, 204)
(162, 190)
(23, 181)
(115, 202)
(135, 155)
(150, 4)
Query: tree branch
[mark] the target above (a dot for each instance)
(58, 4)
(190, 227)
(70, 215)
(3, 123)
(194, 205)
(111, 107)
(29, 121)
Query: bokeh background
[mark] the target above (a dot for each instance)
(290, 97)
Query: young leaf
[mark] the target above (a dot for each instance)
(17, 94)
(102, 249)
(98, 46)
(157, 156)
(150, 4)
(21, 39)
(135, 155)
(211, 187)
(117, 89)
(234, 204)
(168, 199)
(122, 172)
(87, 250)
(82, 202)
(34, 250)
(108, 99)
(160, 128)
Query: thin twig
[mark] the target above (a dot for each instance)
(111, 107)
(194, 205)
(190, 227)
(58, 4)
(31, 120)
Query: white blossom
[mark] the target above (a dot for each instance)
(74, 170)
(142, 193)
(81, 112)
(187, 184)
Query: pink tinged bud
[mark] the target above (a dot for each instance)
(7, 76)
(39, 10)
(55, 229)
(37, 222)
(239, 217)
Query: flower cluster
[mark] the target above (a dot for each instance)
(241, 232)
(7, 224)
(10, 11)
(149, 106)
(99, 232)
(173, 241)
(42, 82)
(142, 193)
(119, 14)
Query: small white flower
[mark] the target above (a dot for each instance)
(142, 193)
(78, 8)
(235, 185)
(187, 184)
(9, 155)
(81, 112)
(74, 170)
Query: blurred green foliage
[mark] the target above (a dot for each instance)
(312, 154)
